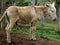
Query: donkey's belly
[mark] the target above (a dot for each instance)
(24, 21)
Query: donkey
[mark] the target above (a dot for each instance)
(27, 15)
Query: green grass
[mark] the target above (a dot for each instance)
(48, 31)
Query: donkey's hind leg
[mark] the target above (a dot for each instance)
(8, 29)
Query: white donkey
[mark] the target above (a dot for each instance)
(27, 15)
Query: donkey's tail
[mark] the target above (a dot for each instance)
(1, 19)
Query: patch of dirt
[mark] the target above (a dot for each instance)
(22, 39)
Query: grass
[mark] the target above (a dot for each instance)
(48, 31)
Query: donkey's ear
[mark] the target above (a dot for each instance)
(53, 4)
(47, 5)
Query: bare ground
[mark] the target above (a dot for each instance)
(22, 39)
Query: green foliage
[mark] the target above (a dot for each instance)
(42, 1)
(28, 0)
(22, 4)
(58, 1)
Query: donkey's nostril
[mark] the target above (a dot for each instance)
(54, 19)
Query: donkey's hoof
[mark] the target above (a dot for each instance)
(9, 42)
(33, 39)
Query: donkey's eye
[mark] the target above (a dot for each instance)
(52, 11)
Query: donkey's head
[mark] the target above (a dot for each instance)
(52, 11)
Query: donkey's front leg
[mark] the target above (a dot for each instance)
(32, 31)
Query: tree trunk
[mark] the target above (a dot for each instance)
(58, 14)
(59, 20)
(34, 2)
(14, 2)
(2, 11)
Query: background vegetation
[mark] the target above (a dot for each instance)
(21, 2)
(49, 30)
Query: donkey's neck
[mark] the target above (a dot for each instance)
(42, 8)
